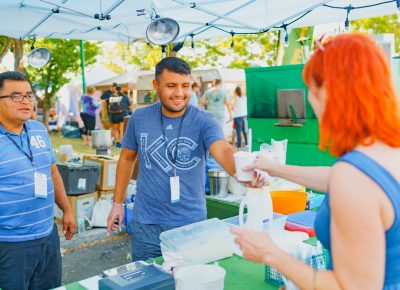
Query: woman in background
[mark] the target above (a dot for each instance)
(118, 107)
(351, 92)
(239, 107)
(89, 106)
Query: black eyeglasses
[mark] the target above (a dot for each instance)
(18, 98)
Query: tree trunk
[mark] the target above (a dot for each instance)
(5, 49)
(45, 116)
(46, 107)
(18, 55)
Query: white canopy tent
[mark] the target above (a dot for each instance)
(125, 78)
(127, 20)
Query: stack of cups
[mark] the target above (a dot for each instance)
(242, 160)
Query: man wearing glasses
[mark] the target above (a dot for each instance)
(29, 185)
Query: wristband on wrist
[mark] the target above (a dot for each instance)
(119, 204)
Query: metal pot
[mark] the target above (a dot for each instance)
(101, 139)
(219, 180)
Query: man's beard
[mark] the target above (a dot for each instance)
(171, 109)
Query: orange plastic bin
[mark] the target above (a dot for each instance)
(287, 202)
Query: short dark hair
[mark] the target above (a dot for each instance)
(173, 64)
(114, 85)
(195, 85)
(217, 82)
(11, 76)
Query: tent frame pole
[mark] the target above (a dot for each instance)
(83, 66)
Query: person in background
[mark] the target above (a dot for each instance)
(107, 94)
(239, 107)
(118, 108)
(130, 108)
(89, 105)
(171, 140)
(30, 183)
(193, 97)
(358, 222)
(215, 99)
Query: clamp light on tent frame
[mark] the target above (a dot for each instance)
(161, 31)
(38, 57)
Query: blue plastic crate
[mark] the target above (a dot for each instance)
(314, 200)
(128, 216)
(319, 262)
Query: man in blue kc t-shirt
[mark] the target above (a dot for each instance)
(152, 136)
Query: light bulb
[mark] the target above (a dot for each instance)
(232, 42)
(347, 25)
(192, 43)
(286, 40)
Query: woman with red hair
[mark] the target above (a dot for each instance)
(351, 92)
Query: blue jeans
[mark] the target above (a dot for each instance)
(240, 127)
(32, 264)
(146, 240)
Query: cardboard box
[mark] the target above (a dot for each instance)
(108, 170)
(108, 194)
(82, 205)
(58, 213)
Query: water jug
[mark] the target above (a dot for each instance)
(259, 208)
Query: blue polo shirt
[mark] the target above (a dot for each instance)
(23, 216)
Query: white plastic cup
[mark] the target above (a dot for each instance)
(200, 277)
(244, 159)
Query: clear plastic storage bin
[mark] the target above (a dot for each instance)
(276, 224)
(198, 243)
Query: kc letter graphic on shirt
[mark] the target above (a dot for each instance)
(163, 153)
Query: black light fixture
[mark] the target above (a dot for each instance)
(178, 46)
(232, 42)
(347, 22)
(162, 31)
(286, 37)
(192, 43)
(38, 57)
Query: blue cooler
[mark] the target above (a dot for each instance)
(146, 278)
(129, 213)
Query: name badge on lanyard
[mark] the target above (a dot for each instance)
(174, 180)
(40, 185)
(175, 189)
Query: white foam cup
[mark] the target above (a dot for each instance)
(244, 159)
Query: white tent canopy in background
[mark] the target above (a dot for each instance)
(75, 19)
(69, 94)
(125, 78)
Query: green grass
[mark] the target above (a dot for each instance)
(77, 144)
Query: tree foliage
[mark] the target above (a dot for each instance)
(378, 25)
(65, 60)
(248, 50)
(16, 46)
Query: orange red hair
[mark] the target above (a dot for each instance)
(361, 105)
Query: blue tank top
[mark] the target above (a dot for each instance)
(392, 188)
